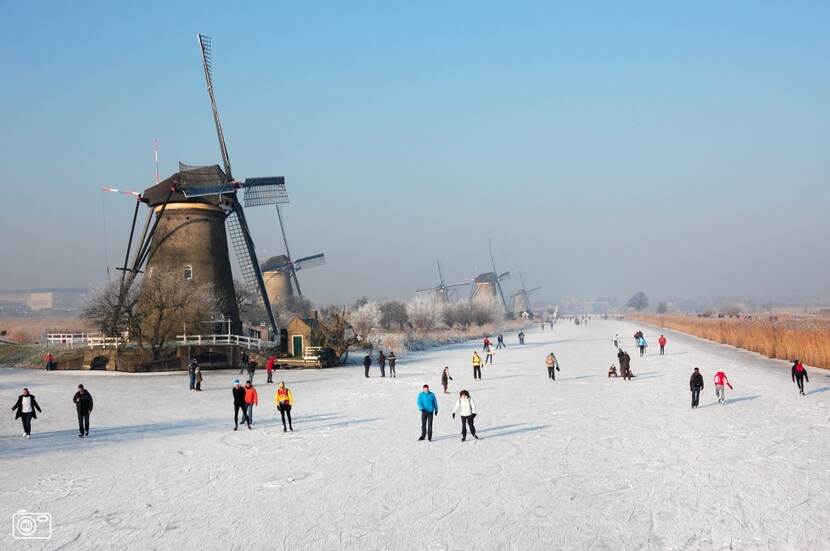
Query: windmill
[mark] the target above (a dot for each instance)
(193, 212)
(279, 271)
(521, 298)
(489, 283)
(442, 291)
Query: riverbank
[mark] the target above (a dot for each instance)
(780, 337)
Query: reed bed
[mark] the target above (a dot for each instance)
(784, 338)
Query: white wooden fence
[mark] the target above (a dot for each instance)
(251, 343)
(92, 340)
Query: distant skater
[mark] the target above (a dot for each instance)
(243, 362)
(251, 400)
(445, 379)
(284, 400)
(552, 364)
(392, 361)
(83, 403)
(269, 368)
(367, 363)
(488, 359)
(476, 365)
(49, 359)
(662, 342)
(642, 344)
(616, 340)
(799, 376)
(500, 341)
(521, 337)
(252, 365)
(486, 344)
(696, 385)
(720, 391)
(382, 363)
(467, 408)
(197, 376)
(625, 365)
(26, 407)
(551, 325)
(428, 405)
(191, 373)
(238, 404)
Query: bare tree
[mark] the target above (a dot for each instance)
(458, 313)
(249, 303)
(167, 302)
(486, 309)
(112, 314)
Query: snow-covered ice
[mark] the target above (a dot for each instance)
(585, 462)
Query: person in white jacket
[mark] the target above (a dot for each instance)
(468, 413)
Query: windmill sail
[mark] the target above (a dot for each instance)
(207, 63)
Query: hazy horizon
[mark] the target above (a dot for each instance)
(681, 150)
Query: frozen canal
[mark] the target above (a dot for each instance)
(585, 462)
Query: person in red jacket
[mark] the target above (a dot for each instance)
(251, 400)
(486, 343)
(662, 342)
(799, 375)
(720, 381)
(269, 368)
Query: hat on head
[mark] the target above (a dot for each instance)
(236, 381)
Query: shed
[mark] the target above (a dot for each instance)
(303, 333)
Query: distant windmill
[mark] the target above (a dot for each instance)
(193, 208)
(489, 283)
(442, 291)
(521, 298)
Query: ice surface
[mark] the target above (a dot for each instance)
(585, 462)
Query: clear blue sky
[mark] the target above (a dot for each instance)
(681, 148)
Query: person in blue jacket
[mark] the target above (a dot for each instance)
(428, 405)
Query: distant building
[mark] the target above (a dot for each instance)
(42, 300)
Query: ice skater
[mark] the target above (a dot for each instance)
(500, 342)
(238, 403)
(382, 363)
(428, 405)
(488, 359)
(197, 376)
(468, 414)
(616, 340)
(392, 361)
(252, 365)
(643, 345)
(284, 400)
(720, 391)
(243, 362)
(552, 364)
(50, 361)
(269, 368)
(476, 365)
(486, 344)
(191, 372)
(83, 403)
(625, 365)
(696, 385)
(799, 376)
(251, 400)
(662, 342)
(367, 363)
(445, 379)
(521, 337)
(26, 407)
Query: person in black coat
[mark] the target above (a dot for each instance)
(382, 363)
(238, 403)
(26, 407)
(367, 363)
(696, 385)
(83, 403)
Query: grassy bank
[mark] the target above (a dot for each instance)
(31, 355)
(783, 338)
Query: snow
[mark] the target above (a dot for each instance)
(583, 462)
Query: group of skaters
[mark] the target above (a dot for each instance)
(246, 397)
(383, 359)
(27, 409)
(428, 406)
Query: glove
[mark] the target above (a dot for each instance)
(557, 368)
(453, 415)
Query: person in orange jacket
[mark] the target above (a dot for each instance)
(269, 368)
(251, 400)
(721, 380)
(284, 400)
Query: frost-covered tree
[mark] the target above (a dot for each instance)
(639, 301)
(425, 313)
(486, 309)
(394, 313)
(365, 319)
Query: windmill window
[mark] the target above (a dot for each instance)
(188, 272)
